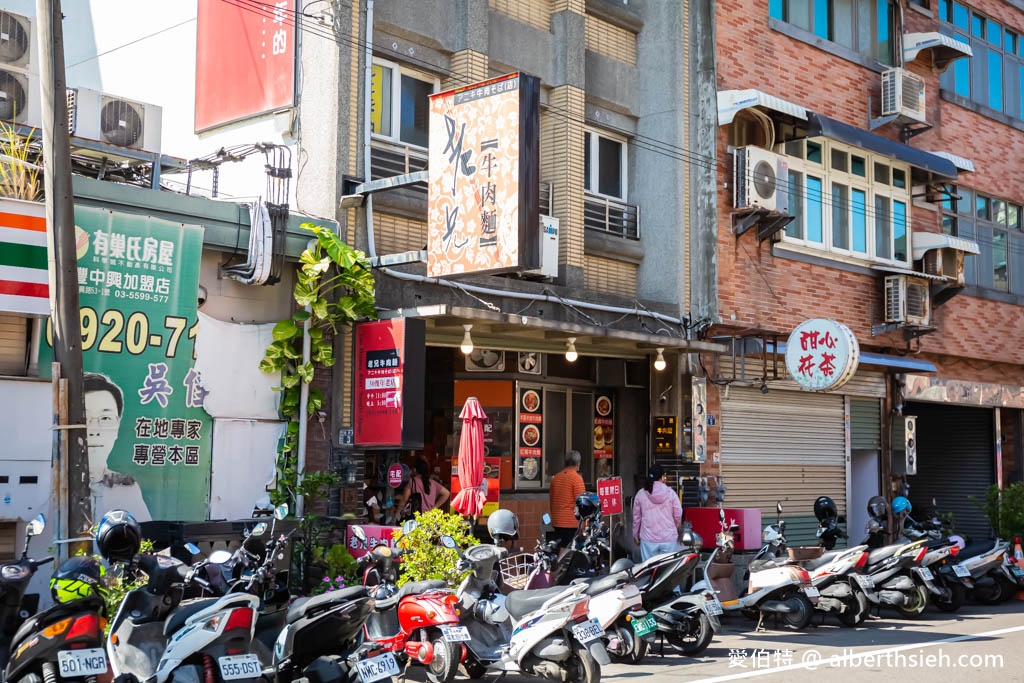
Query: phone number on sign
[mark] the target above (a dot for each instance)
(142, 296)
(113, 332)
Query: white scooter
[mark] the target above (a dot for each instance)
(616, 604)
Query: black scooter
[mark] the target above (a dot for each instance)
(15, 607)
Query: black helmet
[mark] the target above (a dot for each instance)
(118, 536)
(77, 578)
(825, 508)
(877, 506)
(503, 525)
(587, 505)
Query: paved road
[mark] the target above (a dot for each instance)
(979, 641)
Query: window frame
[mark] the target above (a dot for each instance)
(853, 182)
(591, 184)
(780, 10)
(960, 209)
(400, 70)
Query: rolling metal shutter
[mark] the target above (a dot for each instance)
(14, 341)
(865, 425)
(787, 446)
(955, 462)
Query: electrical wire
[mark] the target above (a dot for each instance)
(130, 43)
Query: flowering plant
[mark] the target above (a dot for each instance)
(328, 584)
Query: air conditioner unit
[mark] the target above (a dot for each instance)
(548, 248)
(902, 94)
(114, 120)
(19, 84)
(760, 179)
(907, 300)
(945, 262)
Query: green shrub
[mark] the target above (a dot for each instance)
(120, 584)
(1004, 509)
(340, 568)
(429, 558)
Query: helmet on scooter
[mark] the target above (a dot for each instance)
(901, 504)
(587, 505)
(78, 578)
(690, 539)
(825, 508)
(877, 506)
(503, 525)
(959, 541)
(772, 534)
(118, 536)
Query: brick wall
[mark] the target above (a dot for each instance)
(605, 38)
(536, 13)
(610, 276)
(561, 164)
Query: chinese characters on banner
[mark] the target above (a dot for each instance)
(375, 536)
(245, 60)
(604, 434)
(483, 211)
(149, 437)
(665, 435)
(389, 365)
(531, 432)
(610, 492)
(822, 355)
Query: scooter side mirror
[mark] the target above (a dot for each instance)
(192, 548)
(448, 542)
(778, 507)
(281, 511)
(409, 527)
(219, 557)
(546, 518)
(358, 532)
(259, 529)
(36, 526)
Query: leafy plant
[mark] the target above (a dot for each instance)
(335, 287)
(1004, 509)
(340, 568)
(19, 166)
(120, 583)
(429, 558)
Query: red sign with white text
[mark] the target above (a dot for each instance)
(375, 536)
(245, 60)
(389, 383)
(396, 475)
(610, 492)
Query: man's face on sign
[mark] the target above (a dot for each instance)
(103, 421)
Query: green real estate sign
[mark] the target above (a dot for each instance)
(149, 437)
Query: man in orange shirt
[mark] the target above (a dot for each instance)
(565, 487)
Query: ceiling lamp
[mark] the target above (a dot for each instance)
(659, 362)
(467, 341)
(570, 351)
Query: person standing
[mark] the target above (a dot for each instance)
(565, 487)
(422, 493)
(657, 515)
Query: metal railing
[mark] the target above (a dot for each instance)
(611, 216)
(389, 159)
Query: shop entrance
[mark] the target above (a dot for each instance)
(569, 425)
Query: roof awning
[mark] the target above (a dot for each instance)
(881, 359)
(732, 101)
(912, 273)
(820, 125)
(926, 241)
(945, 49)
(961, 163)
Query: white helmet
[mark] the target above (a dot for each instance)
(772, 534)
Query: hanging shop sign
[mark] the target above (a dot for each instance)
(148, 435)
(483, 205)
(822, 354)
(604, 433)
(531, 433)
(390, 368)
(610, 492)
(375, 535)
(24, 274)
(665, 435)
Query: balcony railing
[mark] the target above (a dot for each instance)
(389, 159)
(611, 216)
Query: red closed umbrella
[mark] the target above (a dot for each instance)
(470, 500)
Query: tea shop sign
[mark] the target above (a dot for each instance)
(822, 354)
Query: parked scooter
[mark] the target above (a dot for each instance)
(14, 580)
(995, 575)
(66, 640)
(952, 579)
(893, 575)
(773, 587)
(547, 633)
(586, 556)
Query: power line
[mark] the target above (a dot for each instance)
(133, 42)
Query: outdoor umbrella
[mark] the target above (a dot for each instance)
(470, 500)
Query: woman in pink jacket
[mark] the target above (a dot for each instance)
(657, 514)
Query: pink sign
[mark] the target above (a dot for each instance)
(395, 476)
(610, 492)
(375, 536)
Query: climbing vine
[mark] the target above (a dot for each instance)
(335, 288)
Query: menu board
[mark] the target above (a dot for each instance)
(665, 435)
(604, 433)
(531, 426)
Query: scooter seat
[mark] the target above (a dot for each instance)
(303, 606)
(521, 603)
(881, 554)
(821, 561)
(412, 588)
(184, 612)
(975, 549)
(601, 584)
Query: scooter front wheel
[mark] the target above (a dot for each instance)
(582, 667)
(697, 636)
(856, 610)
(445, 665)
(955, 600)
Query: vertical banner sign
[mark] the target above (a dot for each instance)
(531, 426)
(483, 205)
(24, 274)
(610, 492)
(665, 435)
(149, 437)
(245, 60)
(390, 369)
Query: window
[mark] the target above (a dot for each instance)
(994, 76)
(864, 26)
(401, 103)
(996, 226)
(857, 206)
(604, 164)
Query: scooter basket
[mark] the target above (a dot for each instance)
(515, 569)
(804, 553)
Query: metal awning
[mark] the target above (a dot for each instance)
(884, 360)
(926, 241)
(823, 126)
(509, 332)
(945, 49)
(912, 273)
(961, 163)
(732, 101)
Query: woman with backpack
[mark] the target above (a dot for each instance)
(422, 493)
(657, 514)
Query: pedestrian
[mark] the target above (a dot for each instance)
(657, 515)
(565, 487)
(422, 493)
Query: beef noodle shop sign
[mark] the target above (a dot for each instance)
(822, 355)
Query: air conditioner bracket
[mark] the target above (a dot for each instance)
(942, 292)
(767, 222)
(910, 332)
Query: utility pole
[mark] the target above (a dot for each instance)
(60, 237)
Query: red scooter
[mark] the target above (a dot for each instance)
(417, 621)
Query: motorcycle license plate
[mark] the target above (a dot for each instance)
(812, 592)
(239, 666)
(1018, 572)
(866, 581)
(961, 571)
(376, 668)
(926, 574)
(80, 663)
(644, 625)
(713, 607)
(588, 631)
(455, 634)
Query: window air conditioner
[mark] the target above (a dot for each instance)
(907, 300)
(19, 80)
(548, 249)
(760, 179)
(123, 123)
(902, 94)
(945, 262)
